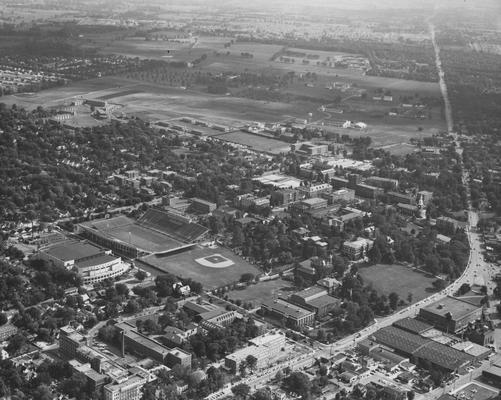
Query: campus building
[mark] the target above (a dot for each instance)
(201, 206)
(292, 315)
(315, 203)
(129, 389)
(6, 331)
(315, 298)
(450, 314)
(92, 263)
(339, 195)
(311, 191)
(395, 197)
(384, 183)
(137, 343)
(423, 350)
(357, 249)
(263, 348)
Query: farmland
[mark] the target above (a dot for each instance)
(399, 279)
(162, 95)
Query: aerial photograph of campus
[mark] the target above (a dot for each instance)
(264, 200)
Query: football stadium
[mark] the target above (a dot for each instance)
(156, 232)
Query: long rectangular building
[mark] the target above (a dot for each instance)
(294, 316)
(450, 314)
(264, 348)
(421, 349)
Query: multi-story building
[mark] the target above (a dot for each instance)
(339, 183)
(315, 298)
(310, 149)
(384, 183)
(263, 348)
(6, 331)
(395, 197)
(69, 341)
(315, 203)
(92, 263)
(426, 196)
(339, 195)
(286, 197)
(291, 314)
(451, 314)
(407, 209)
(449, 224)
(202, 206)
(129, 389)
(135, 342)
(248, 200)
(312, 191)
(367, 191)
(358, 248)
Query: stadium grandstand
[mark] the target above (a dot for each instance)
(157, 232)
(175, 225)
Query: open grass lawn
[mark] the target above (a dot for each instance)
(399, 279)
(262, 291)
(256, 142)
(184, 265)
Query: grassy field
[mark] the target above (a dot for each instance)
(399, 279)
(262, 291)
(184, 265)
(256, 142)
(143, 238)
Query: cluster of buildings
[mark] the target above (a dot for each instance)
(118, 380)
(433, 338)
(14, 80)
(302, 308)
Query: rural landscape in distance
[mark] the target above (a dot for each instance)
(265, 200)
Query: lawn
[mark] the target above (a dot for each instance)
(397, 278)
(262, 291)
(184, 265)
(256, 142)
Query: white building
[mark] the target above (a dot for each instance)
(92, 263)
(130, 389)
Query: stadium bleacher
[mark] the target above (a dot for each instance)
(174, 225)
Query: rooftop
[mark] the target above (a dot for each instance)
(311, 292)
(412, 325)
(314, 201)
(450, 305)
(321, 301)
(73, 250)
(97, 260)
(471, 348)
(286, 308)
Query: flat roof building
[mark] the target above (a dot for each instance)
(92, 263)
(293, 315)
(450, 314)
(358, 248)
(315, 298)
(264, 348)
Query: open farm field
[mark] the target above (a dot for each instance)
(386, 134)
(153, 102)
(399, 279)
(185, 265)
